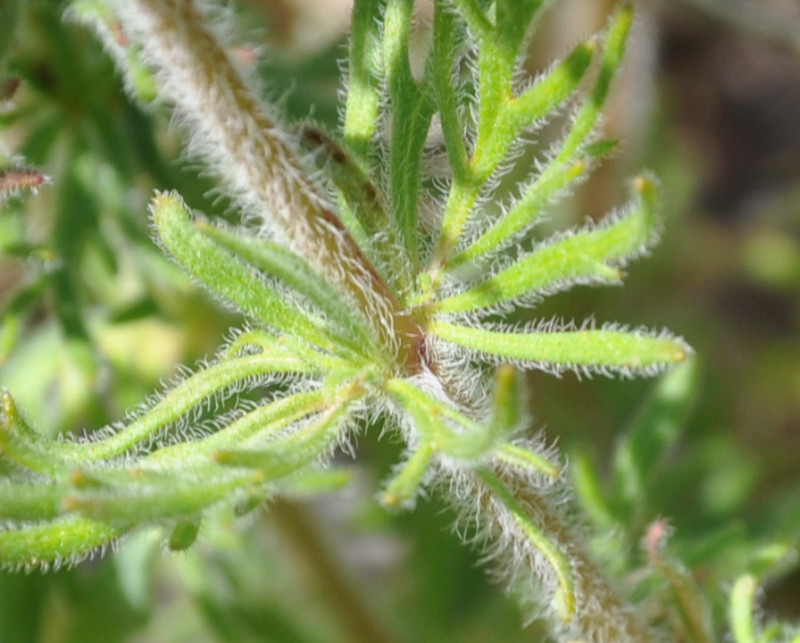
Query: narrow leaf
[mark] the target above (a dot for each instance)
(59, 543)
(558, 560)
(405, 484)
(566, 164)
(508, 409)
(656, 428)
(508, 414)
(35, 452)
(225, 274)
(22, 445)
(475, 18)
(590, 491)
(606, 350)
(363, 92)
(312, 482)
(742, 609)
(690, 604)
(552, 89)
(281, 263)
(523, 458)
(198, 388)
(287, 454)
(553, 180)
(496, 138)
(514, 17)
(143, 496)
(445, 42)
(28, 502)
(590, 255)
(412, 109)
(531, 107)
(252, 428)
(464, 438)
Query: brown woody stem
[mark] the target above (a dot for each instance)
(236, 134)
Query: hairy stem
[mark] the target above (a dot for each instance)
(589, 608)
(241, 140)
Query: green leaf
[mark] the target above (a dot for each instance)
(446, 42)
(21, 444)
(311, 481)
(495, 138)
(223, 273)
(528, 459)
(590, 491)
(743, 598)
(558, 560)
(289, 453)
(508, 408)
(529, 109)
(193, 391)
(688, 602)
(412, 109)
(254, 427)
(139, 496)
(524, 213)
(476, 19)
(28, 502)
(606, 350)
(62, 542)
(568, 162)
(405, 484)
(363, 93)
(590, 255)
(462, 437)
(654, 431)
(513, 20)
(24, 446)
(291, 269)
(183, 535)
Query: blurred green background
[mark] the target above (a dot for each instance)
(93, 318)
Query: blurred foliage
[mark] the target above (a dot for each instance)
(93, 317)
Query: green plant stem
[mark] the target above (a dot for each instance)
(363, 95)
(599, 612)
(741, 610)
(329, 580)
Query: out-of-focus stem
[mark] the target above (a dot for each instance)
(751, 19)
(330, 581)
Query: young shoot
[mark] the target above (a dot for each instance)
(361, 311)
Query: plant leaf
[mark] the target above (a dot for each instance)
(589, 255)
(605, 350)
(567, 163)
(412, 109)
(290, 268)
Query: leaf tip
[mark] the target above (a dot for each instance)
(8, 407)
(644, 184)
(183, 535)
